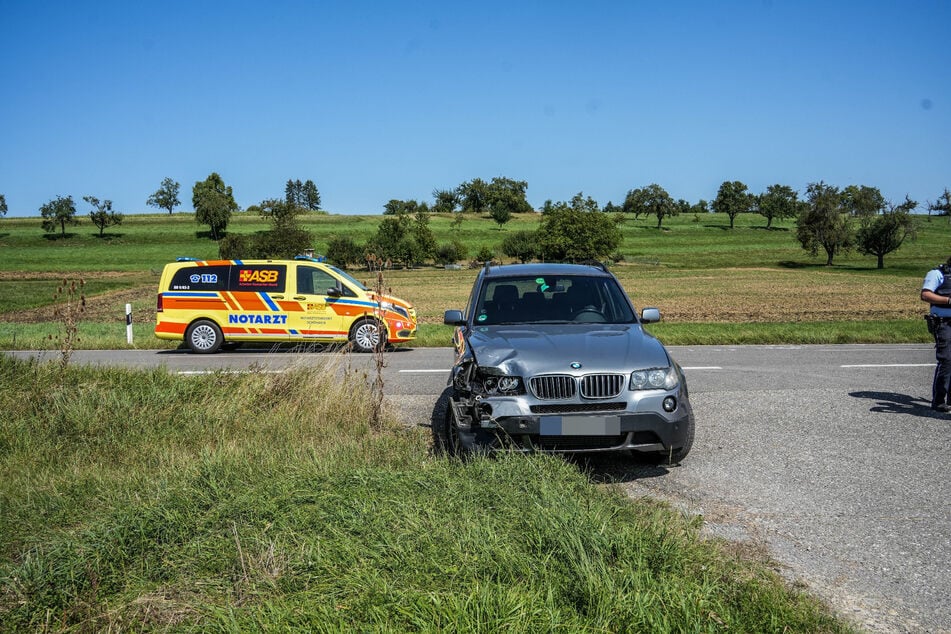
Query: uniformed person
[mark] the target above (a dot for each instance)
(936, 290)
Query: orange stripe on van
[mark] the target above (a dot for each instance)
(249, 301)
(193, 303)
(232, 304)
(170, 327)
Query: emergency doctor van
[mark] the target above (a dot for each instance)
(213, 303)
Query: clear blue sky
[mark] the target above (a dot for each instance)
(381, 100)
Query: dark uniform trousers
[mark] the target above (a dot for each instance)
(942, 373)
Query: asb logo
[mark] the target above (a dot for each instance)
(257, 276)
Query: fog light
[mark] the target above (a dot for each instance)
(670, 404)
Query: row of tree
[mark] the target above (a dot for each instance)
(61, 211)
(570, 231)
(829, 219)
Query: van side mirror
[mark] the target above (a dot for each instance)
(333, 292)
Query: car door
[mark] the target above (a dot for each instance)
(316, 318)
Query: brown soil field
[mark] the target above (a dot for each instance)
(714, 296)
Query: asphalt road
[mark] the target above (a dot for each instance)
(826, 456)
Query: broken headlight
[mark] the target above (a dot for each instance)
(501, 384)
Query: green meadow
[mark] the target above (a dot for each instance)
(712, 284)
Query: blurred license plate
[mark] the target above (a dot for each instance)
(579, 426)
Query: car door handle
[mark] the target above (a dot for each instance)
(277, 297)
(300, 298)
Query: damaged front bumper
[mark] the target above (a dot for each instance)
(489, 424)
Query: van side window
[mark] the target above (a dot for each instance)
(313, 281)
(258, 278)
(200, 278)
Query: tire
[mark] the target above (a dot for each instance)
(365, 336)
(204, 337)
(445, 433)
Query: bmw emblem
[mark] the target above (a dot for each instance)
(575, 365)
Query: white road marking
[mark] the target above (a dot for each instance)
(889, 365)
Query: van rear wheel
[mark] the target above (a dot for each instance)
(367, 335)
(204, 337)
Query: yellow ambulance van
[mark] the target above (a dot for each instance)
(213, 303)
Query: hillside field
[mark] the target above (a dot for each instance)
(712, 284)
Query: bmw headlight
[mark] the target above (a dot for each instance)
(502, 384)
(655, 379)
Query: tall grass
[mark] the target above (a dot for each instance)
(143, 500)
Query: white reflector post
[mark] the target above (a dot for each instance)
(128, 323)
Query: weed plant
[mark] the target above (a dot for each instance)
(137, 500)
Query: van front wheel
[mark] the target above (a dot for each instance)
(204, 337)
(367, 335)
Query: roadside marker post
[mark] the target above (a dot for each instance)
(128, 323)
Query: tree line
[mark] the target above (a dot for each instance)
(829, 219)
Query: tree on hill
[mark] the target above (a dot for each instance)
(474, 196)
(576, 231)
(863, 201)
(652, 200)
(733, 199)
(522, 245)
(396, 207)
(3, 205)
(446, 201)
(885, 233)
(60, 211)
(304, 195)
(942, 205)
(824, 222)
(214, 203)
(103, 216)
(343, 251)
(778, 202)
(505, 198)
(423, 235)
(285, 238)
(166, 196)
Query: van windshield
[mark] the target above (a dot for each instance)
(349, 278)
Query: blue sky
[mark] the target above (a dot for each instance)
(381, 100)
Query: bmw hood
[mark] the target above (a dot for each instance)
(541, 349)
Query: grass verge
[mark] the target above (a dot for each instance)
(101, 336)
(255, 502)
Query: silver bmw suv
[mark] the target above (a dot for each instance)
(553, 357)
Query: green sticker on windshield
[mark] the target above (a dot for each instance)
(542, 286)
(483, 317)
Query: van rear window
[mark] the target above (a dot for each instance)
(200, 278)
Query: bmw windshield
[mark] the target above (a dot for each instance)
(552, 300)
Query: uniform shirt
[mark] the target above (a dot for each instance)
(933, 280)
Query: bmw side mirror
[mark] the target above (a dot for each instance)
(454, 318)
(650, 315)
